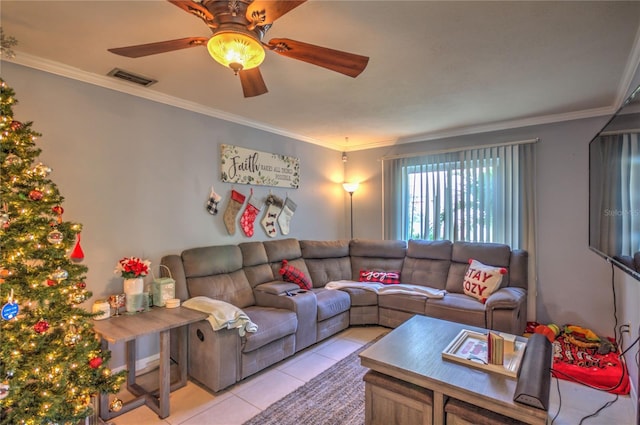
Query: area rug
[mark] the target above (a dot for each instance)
(336, 396)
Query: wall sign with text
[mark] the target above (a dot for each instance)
(247, 166)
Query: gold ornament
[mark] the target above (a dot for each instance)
(115, 405)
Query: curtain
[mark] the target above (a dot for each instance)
(480, 195)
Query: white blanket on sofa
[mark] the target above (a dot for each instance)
(222, 314)
(382, 289)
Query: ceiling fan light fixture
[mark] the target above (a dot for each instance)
(236, 50)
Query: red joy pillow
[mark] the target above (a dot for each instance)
(294, 275)
(388, 278)
(481, 280)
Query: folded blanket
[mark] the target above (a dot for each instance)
(382, 289)
(222, 314)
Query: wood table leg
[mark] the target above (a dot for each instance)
(438, 408)
(165, 374)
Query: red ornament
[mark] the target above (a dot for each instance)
(58, 210)
(77, 253)
(35, 195)
(95, 362)
(51, 282)
(16, 125)
(81, 285)
(41, 326)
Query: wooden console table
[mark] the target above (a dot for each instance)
(127, 328)
(413, 353)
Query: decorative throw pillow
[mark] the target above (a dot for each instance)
(481, 280)
(294, 275)
(377, 276)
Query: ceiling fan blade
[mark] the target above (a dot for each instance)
(252, 82)
(345, 63)
(264, 12)
(159, 47)
(194, 8)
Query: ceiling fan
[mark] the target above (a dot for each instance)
(238, 27)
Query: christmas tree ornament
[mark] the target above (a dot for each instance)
(55, 237)
(81, 285)
(59, 274)
(77, 254)
(15, 125)
(58, 210)
(41, 170)
(212, 202)
(78, 298)
(4, 389)
(284, 219)
(249, 215)
(10, 309)
(115, 405)
(268, 222)
(4, 220)
(72, 337)
(41, 326)
(231, 212)
(51, 282)
(35, 195)
(95, 362)
(13, 159)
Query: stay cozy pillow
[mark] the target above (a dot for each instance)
(379, 277)
(294, 275)
(482, 280)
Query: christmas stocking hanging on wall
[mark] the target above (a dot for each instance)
(212, 202)
(285, 215)
(274, 206)
(233, 207)
(249, 215)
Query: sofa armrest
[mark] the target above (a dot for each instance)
(276, 287)
(506, 298)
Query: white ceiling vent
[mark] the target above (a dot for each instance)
(128, 76)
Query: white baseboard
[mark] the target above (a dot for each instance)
(143, 365)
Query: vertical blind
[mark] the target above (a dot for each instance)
(483, 194)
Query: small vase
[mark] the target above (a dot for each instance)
(133, 289)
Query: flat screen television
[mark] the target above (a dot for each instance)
(614, 188)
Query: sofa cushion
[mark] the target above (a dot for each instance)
(326, 260)
(211, 260)
(331, 303)
(488, 253)
(482, 280)
(376, 255)
(232, 287)
(427, 263)
(361, 297)
(273, 324)
(457, 308)
(403, 302)
(256, 264)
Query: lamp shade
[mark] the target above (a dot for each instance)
(350, 187)
(236, 50)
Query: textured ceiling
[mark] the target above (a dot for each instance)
(435, 69)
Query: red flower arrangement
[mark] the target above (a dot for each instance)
(132, 267)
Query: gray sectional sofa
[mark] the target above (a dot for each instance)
(290, 319)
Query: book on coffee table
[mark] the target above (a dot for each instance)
(474, 349)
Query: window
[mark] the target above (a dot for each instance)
(477, 195)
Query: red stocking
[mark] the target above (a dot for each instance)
(249, 215)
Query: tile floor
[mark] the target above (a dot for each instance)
(193, 405)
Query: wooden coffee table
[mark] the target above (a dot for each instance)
(127, 328)
(413, 353)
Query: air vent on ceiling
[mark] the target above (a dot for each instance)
(128, 76)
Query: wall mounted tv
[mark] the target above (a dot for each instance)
(614, 188)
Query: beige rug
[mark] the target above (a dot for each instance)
(335, 397)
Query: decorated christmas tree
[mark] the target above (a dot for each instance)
(51, 362)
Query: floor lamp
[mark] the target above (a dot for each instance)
(351, 187)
